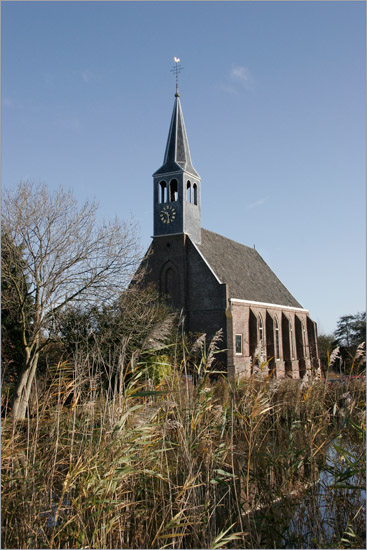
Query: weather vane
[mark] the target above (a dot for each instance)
(176, 70)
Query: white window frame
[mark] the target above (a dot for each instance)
(305, 346)
(235, 344)
(291, 339)
(260, 328)
(277, 338)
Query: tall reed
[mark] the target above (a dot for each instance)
(167, 463)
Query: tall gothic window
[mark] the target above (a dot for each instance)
(238, 344)
(261, 328)
(304, 339)
(277, 348)
(291, 337)
(169, 282)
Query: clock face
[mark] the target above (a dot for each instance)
(167, 214)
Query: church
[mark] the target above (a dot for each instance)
(220, 284)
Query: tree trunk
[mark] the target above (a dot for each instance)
(23, 390)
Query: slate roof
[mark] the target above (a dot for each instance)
(177, 155)
(244, 270)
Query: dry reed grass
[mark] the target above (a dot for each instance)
(176, 466)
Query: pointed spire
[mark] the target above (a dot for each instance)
(177, 155)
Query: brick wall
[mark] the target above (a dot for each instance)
(292, 355)
(175, 264)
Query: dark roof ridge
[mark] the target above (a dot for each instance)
(228, 239)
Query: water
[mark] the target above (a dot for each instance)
(333, 509)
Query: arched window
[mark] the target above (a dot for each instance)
(304, 339)
(173, 191)
(162, 192)
(238, 344)
(261, 328)
(291, 337)
(277, 348)
(188, 192)
(169, 282)
(195, 189)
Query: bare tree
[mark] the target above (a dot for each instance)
(65, 257)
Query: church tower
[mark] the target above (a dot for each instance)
(177, 185)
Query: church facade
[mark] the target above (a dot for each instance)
(220, 284)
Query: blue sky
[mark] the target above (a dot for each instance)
(273, 95)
